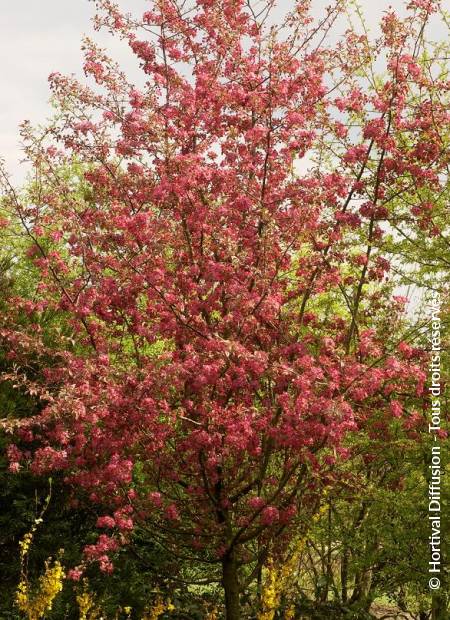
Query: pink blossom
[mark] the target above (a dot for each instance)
(270, 515)
(171, 513)
(75, 574)
(396, 408)
(106, 521)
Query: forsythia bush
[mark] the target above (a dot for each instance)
(87, 605)
(278, 578)
(158, 609)
(35, 604)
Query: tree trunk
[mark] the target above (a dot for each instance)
(344, 575)
(363, 588)
(230, 584)
(439, 606)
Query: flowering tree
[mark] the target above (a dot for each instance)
(231, 307)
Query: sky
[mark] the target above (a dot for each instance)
(42, 36)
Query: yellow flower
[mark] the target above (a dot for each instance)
(159, 607)
(87, 605)
(25, 544)
(277, 581)
(50, 584)
(212, 615)
(270, 593)
(290, 613)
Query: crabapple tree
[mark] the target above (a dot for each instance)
(231, 305)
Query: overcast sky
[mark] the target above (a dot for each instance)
(42, 36)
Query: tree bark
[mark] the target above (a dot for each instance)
(230, 584)
(439, 606)
(344, 575)
(363, 588)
